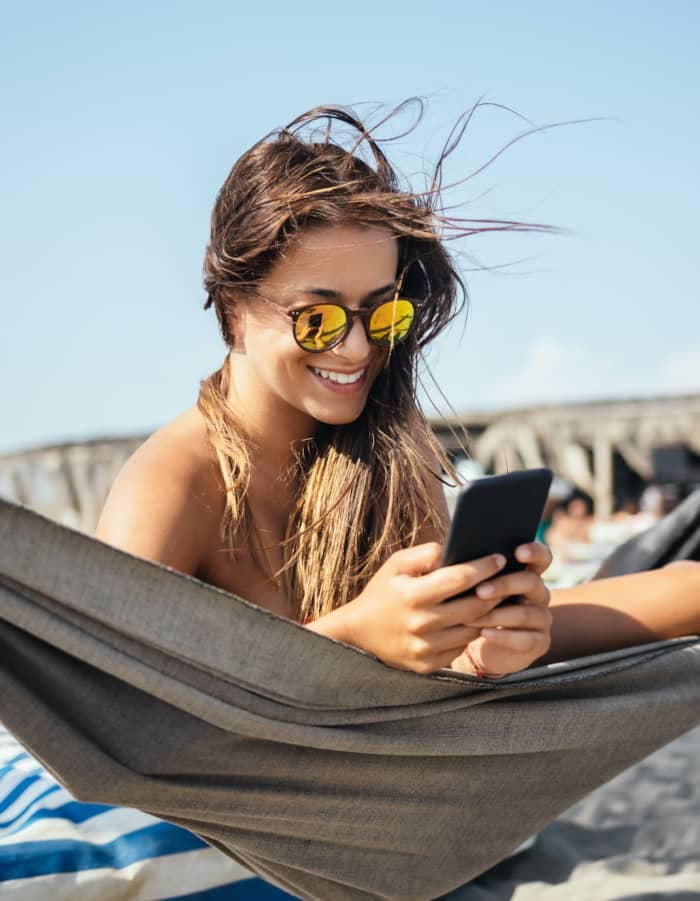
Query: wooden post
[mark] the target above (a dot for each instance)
(603, 474)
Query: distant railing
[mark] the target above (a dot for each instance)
(67, 482)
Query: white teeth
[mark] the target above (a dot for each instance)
(341, 378)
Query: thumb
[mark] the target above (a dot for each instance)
(416, 561)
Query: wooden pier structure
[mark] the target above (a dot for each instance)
(603, 448)
(600, 447)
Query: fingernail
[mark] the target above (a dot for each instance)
(499, 560)
(485, 591)
(525, 553)
(489, 633)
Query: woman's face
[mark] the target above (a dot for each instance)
(350, 265)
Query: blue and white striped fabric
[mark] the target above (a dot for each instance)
(54, 847)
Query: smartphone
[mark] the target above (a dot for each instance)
(495, 515)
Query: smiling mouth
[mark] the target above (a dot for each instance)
(339, 378)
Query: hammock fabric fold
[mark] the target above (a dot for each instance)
(310, 762)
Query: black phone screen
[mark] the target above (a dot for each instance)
(495, 515)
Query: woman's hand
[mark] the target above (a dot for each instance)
(400, 616)
(514, 636)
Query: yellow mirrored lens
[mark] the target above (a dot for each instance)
(391, 321)
(319, 326)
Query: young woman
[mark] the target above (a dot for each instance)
(306, 479)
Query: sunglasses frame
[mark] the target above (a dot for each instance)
(364, 314)
(351, 315)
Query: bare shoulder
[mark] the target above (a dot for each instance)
(166, 503)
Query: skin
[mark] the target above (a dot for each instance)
(168, 501)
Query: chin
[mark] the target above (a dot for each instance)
(338, 417)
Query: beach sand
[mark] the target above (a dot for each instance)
(635, 839)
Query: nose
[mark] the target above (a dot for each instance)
(355, 348)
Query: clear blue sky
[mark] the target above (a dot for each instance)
(120, 121)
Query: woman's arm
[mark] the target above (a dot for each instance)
(624, 611)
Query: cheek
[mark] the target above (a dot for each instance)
(275, 353)
(382, 358)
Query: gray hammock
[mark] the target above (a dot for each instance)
(310, 762)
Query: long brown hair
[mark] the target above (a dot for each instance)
(363, 489)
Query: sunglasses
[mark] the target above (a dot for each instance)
(322, 326)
